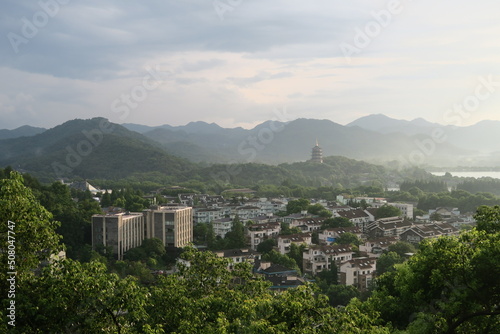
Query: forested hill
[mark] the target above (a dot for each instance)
(97, 149)
(91, 148)
(287, 142)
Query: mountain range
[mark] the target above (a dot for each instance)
(172, 150)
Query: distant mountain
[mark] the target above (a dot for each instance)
(96, 149)
(277, 142)
(83, 148)
(384, 124)
(23, 131)
(482, 137)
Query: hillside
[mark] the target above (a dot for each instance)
(275, 143)
(23, 131)
(479, 139)
(65, 151)
(386, 125)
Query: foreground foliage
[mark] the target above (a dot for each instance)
(450, 285)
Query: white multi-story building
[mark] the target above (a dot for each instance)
(329, 235)
(285, 241)
(221, 226)
(406, 209)
(358, 272)
(260, 232)
(206, 215)
(121, 231)
(318, 258)
(172, 224)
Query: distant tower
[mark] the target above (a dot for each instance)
(317, 153)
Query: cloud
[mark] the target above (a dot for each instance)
(261, 55)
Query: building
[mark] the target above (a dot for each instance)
(285, 241)
(206, 215)
(318, 258)
(317, 154)
(360, 218)
(120, 231)
(281, 277)
(405, 208)
(329, 235)
(420, 232)
(172, 224)
(307, 224)
(221, 226)
(387, 227)
(261, 232)
(358, 272)
(239, 256)
(377, 246)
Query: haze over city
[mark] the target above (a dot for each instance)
(235, 63)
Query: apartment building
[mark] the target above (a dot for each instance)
(120, 231)
(172, 224)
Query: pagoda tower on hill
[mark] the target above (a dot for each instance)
(317, 154)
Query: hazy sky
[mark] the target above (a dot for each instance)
(235, 62)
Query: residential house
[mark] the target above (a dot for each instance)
(357, 216)
(281, 277)
(221, 226)
(329, 235)
(285, 241)
(358, 272)
(307, 224)
(386, 227)
(260, 232)
(239, 256)
(419, 232)
(321, 257)
(376, 246)
(405, 208)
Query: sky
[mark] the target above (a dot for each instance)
(242, 62)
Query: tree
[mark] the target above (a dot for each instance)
(387, 261)
(266, 246)
(488, 219)
(283, 259)
(287, 230)
(27, 228)
(106, 200)
(336, 222)
(402, 248)
(296, 206)
(348, 239)
(436, 216)
(315, 208)
(153, 248)
(328, 277)
(450, 284)
(236, 237)
(206, 298)
(69, 297)
(341, 294)
(387, 211)
(296, 253)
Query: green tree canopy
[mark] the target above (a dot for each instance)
(296, 206)
(348, 239)
(387, 211)
(266, 246)
(336, 222)
(488, 218)
(25, 225)
(449, 286)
